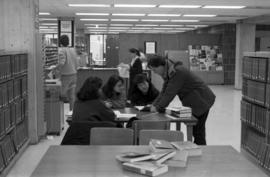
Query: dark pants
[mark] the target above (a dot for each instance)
(199, 129)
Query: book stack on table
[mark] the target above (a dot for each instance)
(179, 112)
(162, 154)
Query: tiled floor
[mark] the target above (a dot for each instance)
(223, 128)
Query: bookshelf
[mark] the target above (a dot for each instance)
(51, 56)
(255, 108)
(13, 109)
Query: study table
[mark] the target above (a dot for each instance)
(99, 161)
(188, 121)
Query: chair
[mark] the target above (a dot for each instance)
(168, 135)
(138, 125)
(111, 136)
(78, 133)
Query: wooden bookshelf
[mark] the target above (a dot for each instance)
(255, 110)
(13, 109)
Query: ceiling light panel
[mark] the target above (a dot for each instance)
(164, 15)
(93, 19)
(184, 20)
(44, 13)
(128, 14)
(179, 6)
(89, 5)
(224, 7)
(47, 19)
(48, 24)
(121, 24)
(145, 25)
(97, 14)
(199, 15)
(172, 25)
(138, 28)
(153, 20)
(95, 24)
(98, 27)
(131, 20)
(135, 5)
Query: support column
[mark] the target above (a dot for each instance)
(245, 41)
(18, 32)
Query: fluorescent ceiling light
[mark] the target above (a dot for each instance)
(140, 28)
(43, 27)
(98, 27)
(93, 19)
(89, 5)
(101, 14)
(199, 15)
(121, 25)
(135, 5)
(175, 31)
(116, 30)
(44, 13)
(224, 7)
(95, 24)
(131, 20)
(184, 28)
(184, 20)
(196, 26)
(145, 25)
(128, 14)
(49, 24)
(153, 20)
(163, 28)
(47, 29)
(172, 25)
(164, 15)
(47, 19)
(179, 6)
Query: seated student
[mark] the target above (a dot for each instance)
(144, 92)
(114, 92)
(89, 106)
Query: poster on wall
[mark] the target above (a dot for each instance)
(150, 47)
(205, 58)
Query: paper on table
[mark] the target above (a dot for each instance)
(123, 116)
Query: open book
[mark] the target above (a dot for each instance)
(123, 116)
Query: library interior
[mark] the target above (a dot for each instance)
(131, 88)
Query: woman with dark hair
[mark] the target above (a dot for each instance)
(67, 67)
(114, 92)
(89, 106)
(135, 68)
(144, 92)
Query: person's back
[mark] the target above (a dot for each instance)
(70, 62)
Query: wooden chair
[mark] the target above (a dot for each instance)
(168, 135)
(111, 136)
(78, 133)
(139, 125)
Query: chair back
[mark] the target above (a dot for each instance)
(139, 125)
(78, 133)
(169, 135)
(111, 136)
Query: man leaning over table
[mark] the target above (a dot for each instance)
(191, 90)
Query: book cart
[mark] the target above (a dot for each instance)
(13, 109)
(255, 106)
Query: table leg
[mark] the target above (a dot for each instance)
(189, 132)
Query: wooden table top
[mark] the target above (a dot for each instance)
(157, 116)
(99, 161)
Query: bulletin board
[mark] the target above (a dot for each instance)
(150, 47)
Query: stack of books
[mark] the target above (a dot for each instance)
(179, 112)
(162, 155)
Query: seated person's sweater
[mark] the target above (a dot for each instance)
(140, 99)
(92, 110)
(117, 101)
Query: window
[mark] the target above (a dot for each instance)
(98, 50)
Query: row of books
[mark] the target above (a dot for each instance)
(12, 65)
(179, 112)
(11, 144)
(254, 115)
(267, 96)
(255, 68)
(12, 114)
(12, 89)
(254, 91)
(250, 139)
(163, 154)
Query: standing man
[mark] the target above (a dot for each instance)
(67, 66)
(191, 90)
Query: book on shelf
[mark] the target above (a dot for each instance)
(123, 116)
(179, 159)
(143, 108)
(146, 168)
(192, 148)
